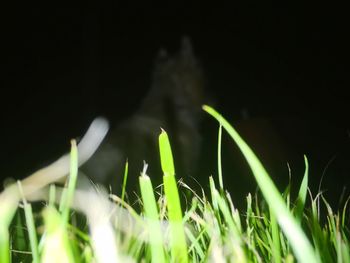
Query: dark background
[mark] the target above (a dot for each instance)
(62, 66)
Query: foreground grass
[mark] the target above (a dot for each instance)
(86, 225)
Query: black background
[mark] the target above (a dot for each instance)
(62, 66)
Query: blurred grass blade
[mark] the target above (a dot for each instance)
(300, 203)
(177, 232)
(56, 246)
(299, 242)
(72, 181)
(152, 216)
(276, 245)
(125, 179)
(4, 243)
(28, 213)
(221, 184)
(9, 199)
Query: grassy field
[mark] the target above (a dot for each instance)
(43, 222)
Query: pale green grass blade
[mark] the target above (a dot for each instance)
(152, 217)
(32, 232)
(9, 199)
(234, 236)
(221, 184)
(301, 245)
(300, 204)
(177, 232)
(71, 182)
(214, 200)
(56, 244)
(33, 239)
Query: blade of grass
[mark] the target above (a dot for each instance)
(152, 215)
(300, 204)
(300, 244)
(28, 213)
(276, 245)
(9, 199)
(125, 178)
(56, 246)
(234, 234)
(177, 232)
(4, 243)
(71, 182)
(221, 184)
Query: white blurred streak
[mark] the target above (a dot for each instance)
(101, 229)
(58, 169)
(100, 213)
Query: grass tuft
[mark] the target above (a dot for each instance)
(75, 224)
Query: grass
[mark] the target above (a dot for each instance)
(47, 223)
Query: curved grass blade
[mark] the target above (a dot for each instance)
(299, 242)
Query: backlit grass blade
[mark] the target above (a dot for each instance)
(4, 243)
(166, 155)
(177, 232)
(302, 193)
(8, 206)
(69, 193)
(56, 243)
(221, 184)
(299, 242)
(152, 217)
(276, 245)
(125, 179)
(28, 213)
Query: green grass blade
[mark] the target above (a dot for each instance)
(299, 242)
(276, 245)
(56, 246)
(9, 199)
(4, 243)
(221, 184)
(300, 204)
(177, 232)
(71, 182)
(166, 155)
(33, 239)
(125, 179)
(152, 216)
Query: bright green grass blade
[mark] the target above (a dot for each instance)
(301, 245)
(177, 232)
(300, 204)
(166, 156)
(4, 243)
(152, 216)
